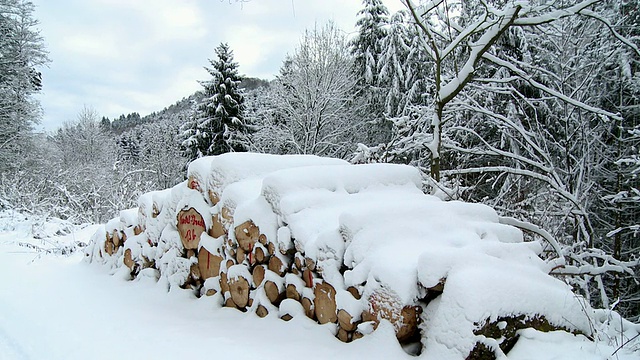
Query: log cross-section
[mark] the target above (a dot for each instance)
(247, 234)
(239, 289)
(325, 303)
(190, 226)
(209, 264)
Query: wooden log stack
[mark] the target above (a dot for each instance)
(233, 232)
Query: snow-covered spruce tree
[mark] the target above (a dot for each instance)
(22, 51)
(404, 68)
(218, 124)
(367, 48)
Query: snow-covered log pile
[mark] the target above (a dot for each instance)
(352, 246)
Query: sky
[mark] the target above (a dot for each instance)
(124, 56)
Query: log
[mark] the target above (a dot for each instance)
(211, 292)
(311, 265)
(262, 239)
(190, 253)
(116, 239)
(194, 272)
(247, 235)
(271, 248)
(214, 198)
(217, 229)
(307, 276)
(298, 261)
(325, 303)
(193, 183)
(258, 274)
(355, 292)
(273, 293)
(386, 304)
(240, 255)
(345, 320)
(230, 263)
(155, 211)
(109, 248)
(308, 307)
(292, 292)
(239, 289)
(209, 264)
(260, 254)
(276, 265)
(262, 311)
(286, 317)
(224, 282)
(137, 230)
(343, 335)
(229, 303)
(128, 259)
(190, 226)
(356, 335)
(227, 215)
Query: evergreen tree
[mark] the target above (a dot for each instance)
(367, 45)
(21, 53)
(218, 124)
(367, 48)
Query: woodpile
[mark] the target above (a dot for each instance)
(223, 236)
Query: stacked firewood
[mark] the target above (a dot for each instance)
(293, 236)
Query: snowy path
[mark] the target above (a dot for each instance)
(56, 307)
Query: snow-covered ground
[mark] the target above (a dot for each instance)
(55, 306)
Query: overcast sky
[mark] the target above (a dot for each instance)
(121, 56)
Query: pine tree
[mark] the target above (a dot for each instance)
(367, 47)
(218, 125)
(21, 53)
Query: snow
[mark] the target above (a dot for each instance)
(228, 168)
(97, 316)
(368, 226)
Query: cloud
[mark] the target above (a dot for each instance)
(123, 56)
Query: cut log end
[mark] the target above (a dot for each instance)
(325, 303)
(239, 289)
(190, 226)
(262, 311)
(208, 263)
(247, 235)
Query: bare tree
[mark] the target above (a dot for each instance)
(315, 95)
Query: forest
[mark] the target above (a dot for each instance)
(531, 107)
